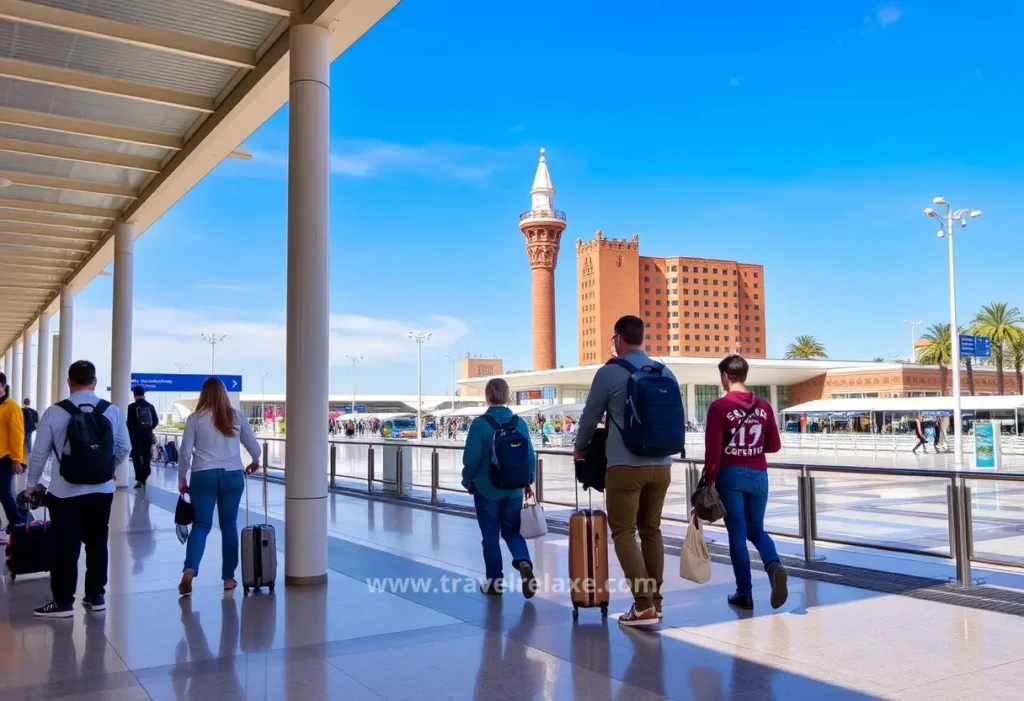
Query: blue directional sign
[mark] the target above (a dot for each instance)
(976, 346)
(158, 382)
(360, 409)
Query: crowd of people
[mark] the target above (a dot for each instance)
(88, 437)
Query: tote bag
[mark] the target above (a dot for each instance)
(695, 560)
(534, 524)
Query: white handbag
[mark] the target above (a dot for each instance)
(534, 524)
(695, 560)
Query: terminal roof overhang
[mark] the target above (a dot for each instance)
(111, 111)
(701, 371)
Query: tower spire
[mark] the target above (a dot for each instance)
(543, 192)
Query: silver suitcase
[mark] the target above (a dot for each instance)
(259, 548)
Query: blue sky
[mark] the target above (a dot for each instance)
(806, 136)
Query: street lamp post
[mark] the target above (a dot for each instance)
(778, 338)
(420, 337)
(355, 359)
(213, 339)
(946, 221)
(455, 359)
(913, 337)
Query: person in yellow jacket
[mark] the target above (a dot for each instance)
(12, 453)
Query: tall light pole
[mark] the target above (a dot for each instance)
(913, 336)
(946, 220)
(213, 339)
(455, 359)
(263, 397)
(778, 338)
(355, 359)
(420, 337)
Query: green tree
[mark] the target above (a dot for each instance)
(938, 351)
(1015, 357)
(1003, 325)
(805, 348)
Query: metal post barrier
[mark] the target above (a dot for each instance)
(808, 517)
(266, 457)
(399, 476)
(435, 475)
(540, 480)
(369, 469)
(956, 493)
(334, 463)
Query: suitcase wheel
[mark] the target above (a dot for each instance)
(245, 591)
(13, 576)
(604, 611)
(271, 589)
(575, 614)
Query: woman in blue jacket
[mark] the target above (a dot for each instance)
(498, 510)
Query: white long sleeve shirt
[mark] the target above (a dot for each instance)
(203, 447)
(51, 440)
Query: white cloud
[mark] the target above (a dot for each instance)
(888, 15)
(371, 158)
(163, 336)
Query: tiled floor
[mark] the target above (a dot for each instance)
(448, 642)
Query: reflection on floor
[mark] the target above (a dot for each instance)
(430, 635)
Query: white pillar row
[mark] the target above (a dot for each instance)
(42, 395)
(9, 362)
(121, 328)
(773, 398)
(308, 365)
(67, 327)
(14, 376)
(55, 379)
(26, 367)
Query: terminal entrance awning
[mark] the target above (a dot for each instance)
(928, 406)
(111, 111)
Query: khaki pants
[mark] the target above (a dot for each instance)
(635, 498)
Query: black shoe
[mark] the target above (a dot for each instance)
(741, 601)
(492, 588)
(529, 580)
(780, 590)
(138, 485)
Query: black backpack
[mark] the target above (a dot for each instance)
(144, 416)
(88, 457)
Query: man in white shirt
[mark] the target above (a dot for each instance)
(79, 508)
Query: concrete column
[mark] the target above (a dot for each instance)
(121, 328)
(42, 396)
(691, 402)
(9, 361)
(14, 376)
(55, 370)
(773, 398)
(67, 327)
(26, 367)
(308, 364)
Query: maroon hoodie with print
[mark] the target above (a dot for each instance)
(741, 430)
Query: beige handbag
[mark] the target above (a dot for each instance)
(695, 560)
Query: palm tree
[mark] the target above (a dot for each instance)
(878, 359)
(1016, 358)
(938, 351)
(805, 348)
(1003, 324)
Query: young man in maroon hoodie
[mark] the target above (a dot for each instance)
(741, 429)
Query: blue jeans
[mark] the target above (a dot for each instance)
(744, 493)
(500, 519)
(223, 489)
(10, 506)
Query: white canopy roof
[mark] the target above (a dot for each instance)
(907, 404)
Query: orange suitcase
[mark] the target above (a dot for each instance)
(588, 561)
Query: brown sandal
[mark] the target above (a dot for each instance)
(185, 586)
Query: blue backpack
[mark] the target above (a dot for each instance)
(510, 455)
(654, 424)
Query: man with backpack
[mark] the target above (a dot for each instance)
(89, 438)
(647, 428)
(142, 419)
(31, 419)
(741, 429)
(12, 454)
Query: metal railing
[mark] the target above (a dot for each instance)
(958, 499)
(543, 214)
(875, 443)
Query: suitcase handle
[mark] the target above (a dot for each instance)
(266, 510)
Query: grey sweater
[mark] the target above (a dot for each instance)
(608, 394)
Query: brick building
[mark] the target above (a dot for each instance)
(693, 307)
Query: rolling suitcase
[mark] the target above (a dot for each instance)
(588, 560)
(259, 548)
(29, 548)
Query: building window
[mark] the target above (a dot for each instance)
(647, 313)
(647, 267)
(647, 290)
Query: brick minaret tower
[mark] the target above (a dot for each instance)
(542, 226)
